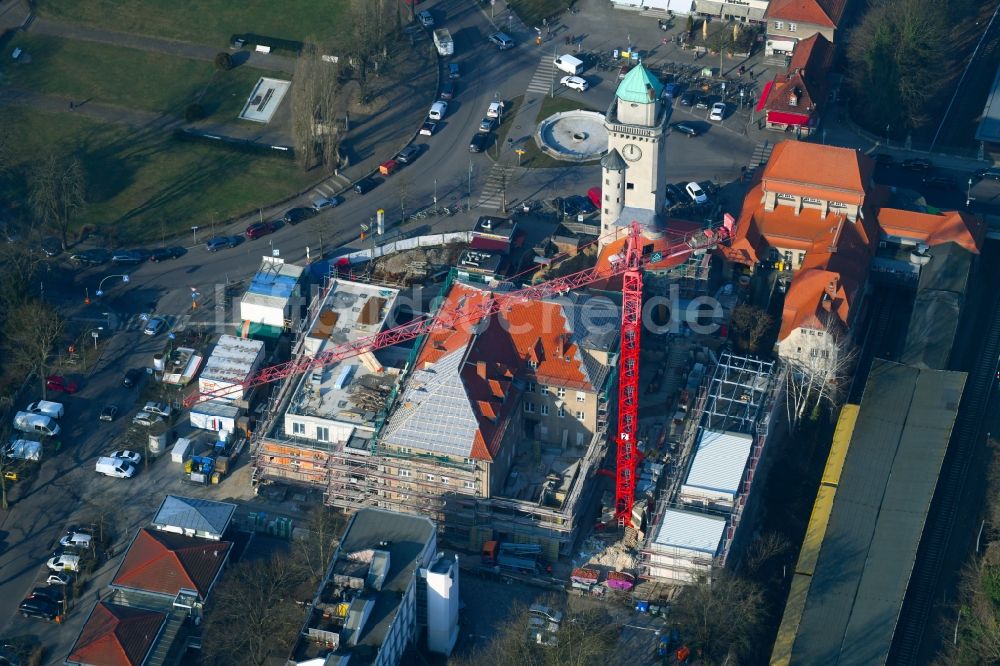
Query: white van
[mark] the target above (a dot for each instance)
(36, 423)
(569, 64)
(51, 409)
(116, 467)
(438, 109)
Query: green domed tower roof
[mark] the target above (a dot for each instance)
(636, 85)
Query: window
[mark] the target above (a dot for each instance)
(607, 181)
(837, 204)
(802, 257)
(562, 411)
(323, 434)
(784, 197)
(298, 428)
(581, 396)
(792, 27)
(561, 392)
(579, 416)
(445, 480)
(405, 473)
(429, 477)
(533, 364)
(810, 200)
(531, 387)
(629, 186)
(405, 449)
(543, 388)
(529, 407)
(545, 409)
(469, 484)
(778, 25)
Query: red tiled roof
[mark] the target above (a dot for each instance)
(165, 562)
(825, 13)
(826, 283)
(804, 82)
(491, 361)
(822, 172)
(950, 226)
(116, 636)
(461, 299)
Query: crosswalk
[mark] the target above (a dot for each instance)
(174, 323)
(541, 82)
(492, 194)
(331, 186)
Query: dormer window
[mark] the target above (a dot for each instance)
(533, 364)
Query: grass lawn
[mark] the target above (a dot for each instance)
(206, 21)
(135, 79)
(559, 104)
(533, 11)
(143, 185)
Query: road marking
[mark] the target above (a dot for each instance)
(541, 82)
(492, 194)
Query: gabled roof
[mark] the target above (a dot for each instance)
(804, 81)
(965, 230)
(825, 13)
(165, 562)
(116, 636)
(205, 517)
(636, 85)
(824, 172)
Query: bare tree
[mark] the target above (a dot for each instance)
(763, 549)
(315, 550)
(31, 332)
(17, 272)
(252, 614)
(721, 617)
(369, 42)
(315, 100)
(749, 326)
(6, 150)
(57, 192)
(818, 377)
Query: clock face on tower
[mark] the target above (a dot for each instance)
(631, 152)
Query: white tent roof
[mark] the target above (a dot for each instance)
(719, 462)
(688, 530)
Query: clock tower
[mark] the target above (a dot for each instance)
(635, 123)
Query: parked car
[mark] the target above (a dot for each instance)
(322, 203)
(132, 377)
(426, 19)
(76, 540)
(438, 110)
(221, 242)
(58, 579)
(577, 83)
(696, 193)
(687, 128)
(39, 608)
(494, 110)
(146, 420)
(64, 563)
(154, 326)
(53, 594)
(454, 71)
(164, 253)
(366, 185)
(447, 90)
(575, 205)
(94, 257)
(688, 98)
(428, 128)
(701, 102)
(918, 164)
(258, 229)
(60, 384)
(718, 111)
(296, 215)
(109, 413)
(487, 124)
(160, 408)
(501, 40)
(125, 454)
(479, 143)
(940, 182)
(408, 154)
(115, 467)
(129, 257)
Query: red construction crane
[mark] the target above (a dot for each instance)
(629, 266)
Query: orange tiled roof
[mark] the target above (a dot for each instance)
(825, 284)
(805, 79)
(677, 230)
(951, 226)
(116, 636)
(164, 562)
(822, 172)
(825, 13)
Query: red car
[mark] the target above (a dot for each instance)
(258, 229)
(60, 384)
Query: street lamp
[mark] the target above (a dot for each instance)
(194, 230)
(100, 286)
(968, 194)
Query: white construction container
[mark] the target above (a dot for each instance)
(181, 450)
(233, 361)
(215, 415)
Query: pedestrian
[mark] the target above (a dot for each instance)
(71, 106)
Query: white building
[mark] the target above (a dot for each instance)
(270, 297)
(685, 546)
(717, 470)
(233, 361)
(442, 604)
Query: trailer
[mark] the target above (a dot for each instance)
(516, 556)
(619, 580)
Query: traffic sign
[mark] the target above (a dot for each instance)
(98, 293)
(171, 335)
(656, 257)
(125, 279)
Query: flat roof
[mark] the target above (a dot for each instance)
(264, 100)
(233, 359)
(690, 530)
(273, 284)
(878, 515)
(719, 462)
(338, 391)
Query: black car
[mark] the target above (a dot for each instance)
(53, 594)
(917, 164)
(163, 253)
(39, 608)
(447, 90)
(296, 215)
(408, 154)
(479, 143)
(132, 377)
(94, 257)
(940, 182)
(576, 205)
(366, 185)
(51, 246)
(221, 242)
(687, 128)
(129, 257)
(688, 98)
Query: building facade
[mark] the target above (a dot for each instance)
(791, 21)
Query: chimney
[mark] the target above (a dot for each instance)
(481, 369)
(831, 288)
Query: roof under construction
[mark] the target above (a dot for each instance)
(881, 504)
